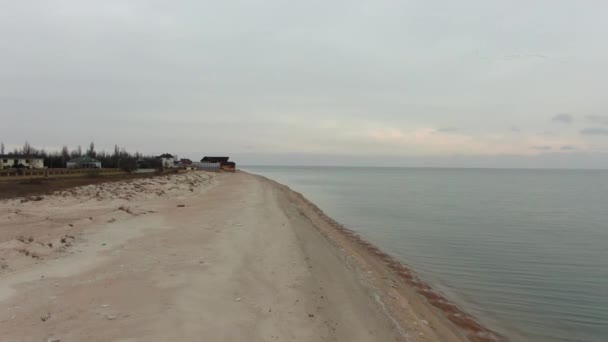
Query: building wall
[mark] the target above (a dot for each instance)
(168, 162)
(206, 165)
(33, 163)
(37, 164)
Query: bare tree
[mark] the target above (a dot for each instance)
(27, 148)
(91, 151)
(79, 151)
(65, 155)
(1, 148)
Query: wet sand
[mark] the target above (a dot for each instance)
(198, 256)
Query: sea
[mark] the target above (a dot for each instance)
(524, 251)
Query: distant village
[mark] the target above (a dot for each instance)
(209, 163)
(31, 158)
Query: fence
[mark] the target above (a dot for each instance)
(45, 173)
(206, 166)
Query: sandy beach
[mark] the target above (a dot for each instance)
(204, 257)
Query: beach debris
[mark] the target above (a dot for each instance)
(45, 317)
(32, 199)
(311, 315)
(67, 239)
(24, 251)
(53, 340)
(111, 317)
(23, 239)
(238, 299)
(126, 209)
(181, 205)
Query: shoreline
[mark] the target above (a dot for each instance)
(332, 230)
(198, 255)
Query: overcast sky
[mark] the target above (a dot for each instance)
(447, 83)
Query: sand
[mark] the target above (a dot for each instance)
(204, 257)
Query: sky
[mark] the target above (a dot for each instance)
(396, 83)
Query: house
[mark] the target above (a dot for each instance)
(167, 160)
(219, 162)
(20, 161)
(83, 162)
(215, 159)
(229, 166)
(185, 162)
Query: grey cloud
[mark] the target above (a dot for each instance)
(595, 131)
(597, 119)
(541, 148)
(515, 129)
(447, 130)
(563, 118)
(567, 148)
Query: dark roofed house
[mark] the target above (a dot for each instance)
(215, 160)
(217, 163)
(229, 166)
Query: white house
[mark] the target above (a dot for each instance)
(167, 160)
(84, 162)
(21, 161)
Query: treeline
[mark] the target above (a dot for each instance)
(119, 158)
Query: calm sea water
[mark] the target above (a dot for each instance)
(525, 251)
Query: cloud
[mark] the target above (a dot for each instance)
(595, 131)
(448, 130)
(515, 129)
(428, 140)
(563, 118)
(597, 119)
(567, 148)
(547, 133)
